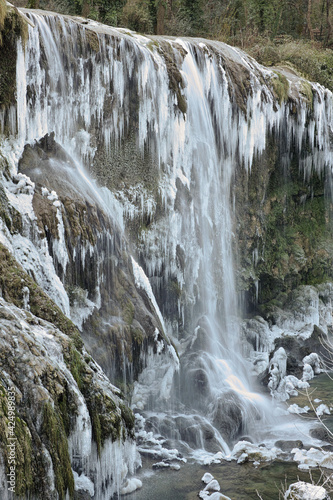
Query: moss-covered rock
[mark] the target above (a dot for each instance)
(12, 27)
(284, 228)
(10, 216)
(47, 402)
(15, 430)
(56, 441)
(13, 279)
(280, 86)
(176, 82)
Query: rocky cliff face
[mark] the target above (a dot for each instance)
(147, 185)
(67, 421)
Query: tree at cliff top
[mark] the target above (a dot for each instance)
(234, 21)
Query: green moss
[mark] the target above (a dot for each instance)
(296, 250)
(127, 416)
(93, 40)
(285, 220)
(11, 217)
(66, 410)
(181, 101)
(137, 335)
(106, 420)
(76, 295)
(128, 312)
(78, 368)
(76, 365)
(280, 86)
(307, 92)
(96, 425)
(176, 82)
(12, 27)
(23, 447)
(24, 471)
(152, 45)
(3, 13)
(174, 288)
(56, 441)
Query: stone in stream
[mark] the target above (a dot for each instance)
(207, 478)
(288, 445)
(305, 491)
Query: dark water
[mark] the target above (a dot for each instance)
(321, 387)
(239, 482)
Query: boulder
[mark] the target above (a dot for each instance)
(305, 491)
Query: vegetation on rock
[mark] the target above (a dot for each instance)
(12, 281)
(285, 237)
(12, 26)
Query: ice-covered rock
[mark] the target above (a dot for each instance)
(301, 314)
(205, 458)
(260, 362)
(246, 451)
(314, 361)
(46, 373)
(132, 484)
(204, 495)
(287, 387)
(166, 465)
(306, 314)
(294, 408)
(322, 409)
(258, 334)
(305, 491)
(308, 373)
(153, 446)
(277, 369)
(82, 482)
(313, 458)
(207, 478)
(213, 485)
(212, 492)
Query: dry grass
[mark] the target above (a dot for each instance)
(308, 59)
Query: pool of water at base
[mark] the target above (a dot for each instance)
(239, 482)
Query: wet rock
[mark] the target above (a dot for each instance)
(322, 434)
(288, 445)
(58, 400)
(246, 438)
(227, 415)
(194, 380)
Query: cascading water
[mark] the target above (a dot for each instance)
(177, 101)
(212, 377)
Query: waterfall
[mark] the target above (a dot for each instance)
(165, 124)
